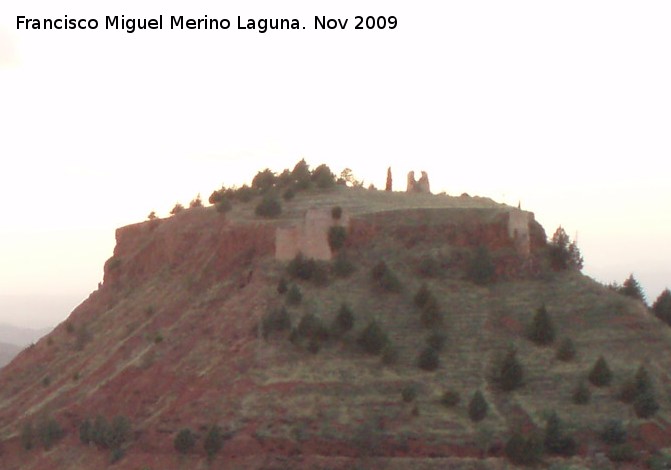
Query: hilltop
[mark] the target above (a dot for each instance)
(207, 318)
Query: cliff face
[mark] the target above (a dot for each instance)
(170, 340)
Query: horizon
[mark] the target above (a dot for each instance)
(561, 107)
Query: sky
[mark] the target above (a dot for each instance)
(562, 106)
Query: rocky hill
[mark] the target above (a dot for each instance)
(192, 328)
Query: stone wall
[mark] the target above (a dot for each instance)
(309, 237)
(518, 230)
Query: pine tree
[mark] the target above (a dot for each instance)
(662, 306)
(600, 375)
(477, 407)
(581, 394)
(510, 373)
(631, 288)
(541, 330)
(566, 350)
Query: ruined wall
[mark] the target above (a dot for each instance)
(518, 230)
(309, 237)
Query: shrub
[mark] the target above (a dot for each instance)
(214, 441)
(301, 267)
(264, 180)
(288, 194)
(662, 306)
(450, 398)
(311, 327)
(224, 206)
(621, 453)
(301, 175)
(423, 296)
(177, 209)
(117, 454)
(481, 269)
(343, 322)
(431, 316)
(564, 254)
(244, 193)
(100, 432)
(282, 286)
(645, 405)
(337, 235)
(86, 431)
(120, 432)
(384, 278)
(477, 407)
(541, 330)
(372, 339)
(336, 213)
(27, 436)
(184, 441)
(510, 373)
(275, 320)
(521, 450)
(581, 394)
(600, 375)
(566, 350)
(409, 393)
(294, 296)
(342, 266)
(613, 432)
(196, 202)
(556, 442)
(428, 359)
(323, 177)
(429, 267)
(49, 432)
(269, 206)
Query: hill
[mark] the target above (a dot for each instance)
(189, 330)
(7, 353)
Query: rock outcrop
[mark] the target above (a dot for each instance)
(387, 186)
(420, 186)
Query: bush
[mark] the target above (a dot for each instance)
(336, 213)
(343, 322)
(423, 296)
(100, 432)
(27, 436)
(450, 398)
(631, 288)
(244, 193)
(481, 270)
(662, 306)
(621, 453)
(566, 351)
(288, 194)
(372, 339)
(409, 393)
(196, 202)
(384, 278)
(510, 373)
(541, 330)
(269, 207)
(214, 441)
(120, 432)
(312, 328)
(294, 296)
(86, 431)
(564, 254)
(337, 235)
(645, 405)
(184, 441)
(301, 175)
(264, 180)
(521, 450)
(301, 267)
(600, 375)
(224, 206)
(117, 454)
(275, 320)
(49, 432)
(177, 209)
(282, 286)
(477, 407)
(556, 442)
(613, 432)
(429, 267)
(323, 177)
(342, 266)
(428, 359)
(581, 394)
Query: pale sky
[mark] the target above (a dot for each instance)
(564, 106)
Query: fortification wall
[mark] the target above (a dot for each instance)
(309, 237)
(518, 230)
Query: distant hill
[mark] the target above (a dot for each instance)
(197, 323)
(7, 353)
(19, 336)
